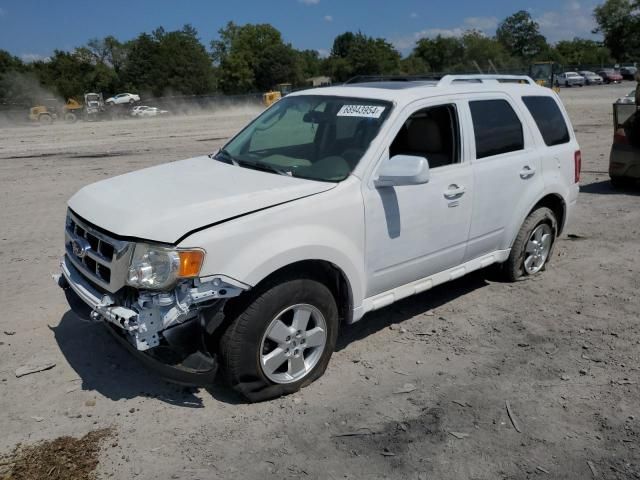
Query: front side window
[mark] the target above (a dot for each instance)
(432, 133)
(549, 119)
(497, 128)
(309, 136)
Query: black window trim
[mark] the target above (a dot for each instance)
(516, 110)
(562, 115)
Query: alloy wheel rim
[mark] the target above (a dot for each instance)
(293, 343)
(538, 248)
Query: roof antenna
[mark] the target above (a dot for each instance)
(494, 67)
(478, 67)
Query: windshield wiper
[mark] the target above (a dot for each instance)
(224, 156)
(265, 167)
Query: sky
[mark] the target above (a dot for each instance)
(32, 29)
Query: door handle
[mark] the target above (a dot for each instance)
(527, 172)
(454, 191)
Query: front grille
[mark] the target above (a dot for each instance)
(101, 258)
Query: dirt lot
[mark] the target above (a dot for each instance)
(562, 349)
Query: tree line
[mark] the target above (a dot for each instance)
(255, 58)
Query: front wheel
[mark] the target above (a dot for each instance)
(533, 246)
(281, 340)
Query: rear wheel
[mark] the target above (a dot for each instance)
(281, 340)
(533, 246)
(70, 117)
(620, 182)
(45, 119)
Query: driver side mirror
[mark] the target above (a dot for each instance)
(402, 170)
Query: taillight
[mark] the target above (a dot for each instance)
(577, 159)
(620, 137)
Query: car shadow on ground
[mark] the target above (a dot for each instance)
(106, 367)
(605, 188)
(415, 305)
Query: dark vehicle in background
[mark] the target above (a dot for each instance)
(609, 75)
(591, 78)
(624, 160)
(628, 73)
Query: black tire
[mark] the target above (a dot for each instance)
(619, 183)
(70, 117)
(45, 119)
(241, 342)
(513, 269)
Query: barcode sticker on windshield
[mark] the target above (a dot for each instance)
(367, 111)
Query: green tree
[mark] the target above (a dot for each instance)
(357, 54)
(253, 57)
(440, 53)
(619, 23)
(521, 36)
(580, 51)
(168, 62)
(413, 65)
(486, 52)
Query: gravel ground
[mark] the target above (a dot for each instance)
(562, 349)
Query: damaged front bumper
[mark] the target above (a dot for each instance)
(165, 330)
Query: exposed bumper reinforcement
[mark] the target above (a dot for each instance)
(179, 363)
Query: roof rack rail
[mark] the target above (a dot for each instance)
(451, 79)
(391, 78)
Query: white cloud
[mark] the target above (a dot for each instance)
(34, 57)
(309, 2)
(483, 24)
(575, 19)
(486, 25)
(413, 15)
(323, 52)
(328, 18)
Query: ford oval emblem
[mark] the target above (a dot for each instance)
(80, 247)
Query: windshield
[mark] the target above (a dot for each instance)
(309, 136)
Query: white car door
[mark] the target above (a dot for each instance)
(506, 171)
(415, 231)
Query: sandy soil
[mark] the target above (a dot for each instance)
(562, 349)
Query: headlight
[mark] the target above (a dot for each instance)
(157, 268)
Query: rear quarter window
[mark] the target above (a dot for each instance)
(549, 119)
(497, 128)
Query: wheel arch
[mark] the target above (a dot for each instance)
(557, 205)
(323, 271)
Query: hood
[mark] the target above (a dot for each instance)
(166, 202)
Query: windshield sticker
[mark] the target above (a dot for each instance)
(367, 111)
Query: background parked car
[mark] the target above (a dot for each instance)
(152, 112)
(135, 111)
(609, 75)
(628, 73)
(629, 98)
(571, 79)
(591, 78)
(624, 160)
(123, 98)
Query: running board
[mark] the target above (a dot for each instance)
(387, 298)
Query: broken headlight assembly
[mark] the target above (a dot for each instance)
(154, 267)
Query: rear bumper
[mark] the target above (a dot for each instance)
(181, 359)
(624, 161)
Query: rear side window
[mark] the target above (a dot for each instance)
(497, 128)
(548, 117)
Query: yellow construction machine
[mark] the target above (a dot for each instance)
(275, 94)
(48, 111)
(544, 74)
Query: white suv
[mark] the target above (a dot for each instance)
(332, 203)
